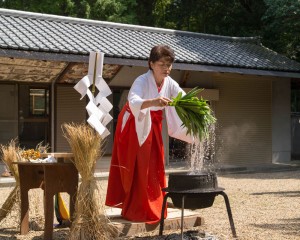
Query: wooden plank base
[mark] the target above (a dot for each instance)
(172, 222)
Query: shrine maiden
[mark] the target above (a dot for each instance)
(137, 173)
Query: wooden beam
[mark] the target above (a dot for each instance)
(11, 61)
(185, 78)
(110, 71)
(61, 77)
(143, 62)
(27, 78)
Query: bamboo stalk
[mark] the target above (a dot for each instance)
(94, 75)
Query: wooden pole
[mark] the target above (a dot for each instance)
(94, 76)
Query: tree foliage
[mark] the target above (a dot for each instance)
(282, 27)
(277, 22)
(109, 10)
(114, 10)
(59, 7)
(227, 17)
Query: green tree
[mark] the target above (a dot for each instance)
(107, 10)
(114, 11)
(145, 12)
(59, 7)
(240, 18)
(227, 17)
(82, 9)
(282, 27)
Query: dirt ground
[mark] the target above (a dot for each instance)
(264, 206)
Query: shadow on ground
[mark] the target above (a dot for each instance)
(291, 229)
(282, 193)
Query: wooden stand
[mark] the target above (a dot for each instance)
(52, 178)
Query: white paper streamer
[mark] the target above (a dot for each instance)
(90, 95)
(106, 119)
(83, 86)
(105, 133)
(96, 124)
(105, 104)
(92, 109)
(99, 66)
(98, 107)
(103, 88)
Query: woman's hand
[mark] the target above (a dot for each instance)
(156, 102)
(161, 101)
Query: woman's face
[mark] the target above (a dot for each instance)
(161, 68)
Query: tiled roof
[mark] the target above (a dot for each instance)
(55, 34)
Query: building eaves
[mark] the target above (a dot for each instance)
(74, 38)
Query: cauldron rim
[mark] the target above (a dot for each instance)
(194, 191)
(191, 173)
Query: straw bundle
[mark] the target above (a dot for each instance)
(11, 154)
(90, 221)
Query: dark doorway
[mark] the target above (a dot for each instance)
(33, 115)
(295, 119)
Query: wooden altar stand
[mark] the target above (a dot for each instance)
(52, 178)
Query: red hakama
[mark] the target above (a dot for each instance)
(137, 173)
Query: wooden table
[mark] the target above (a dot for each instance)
(52, 178)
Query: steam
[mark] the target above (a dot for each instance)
(204, 156)
(233, 138)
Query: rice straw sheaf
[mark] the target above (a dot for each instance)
(10, 154)
(195, 114)
(90, 221)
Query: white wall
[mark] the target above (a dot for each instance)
(244, 120)
(281, 120)
(126, 76)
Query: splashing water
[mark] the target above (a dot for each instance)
(202, 156)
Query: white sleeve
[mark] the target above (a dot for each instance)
(142, 117)
(135, 97)
(175, 128)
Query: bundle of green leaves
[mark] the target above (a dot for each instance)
(195, 114)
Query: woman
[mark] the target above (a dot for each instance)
(137, 172)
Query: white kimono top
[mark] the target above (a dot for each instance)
(144, 87)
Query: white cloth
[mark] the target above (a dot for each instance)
(144, 87)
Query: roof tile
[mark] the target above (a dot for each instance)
(49, 33)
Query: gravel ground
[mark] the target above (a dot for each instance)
(265, 206)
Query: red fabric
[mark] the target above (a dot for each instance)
(137, 174)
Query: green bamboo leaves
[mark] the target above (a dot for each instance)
(194, 113)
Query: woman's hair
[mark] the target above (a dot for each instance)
(161, 51)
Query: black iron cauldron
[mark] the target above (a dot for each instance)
(199, 189)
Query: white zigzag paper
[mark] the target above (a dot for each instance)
(93, 109)
(103, 88)
(105, 104)
(98, 107)
(83, 86)
(96, 124)
(99, 67)
(106, 118)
